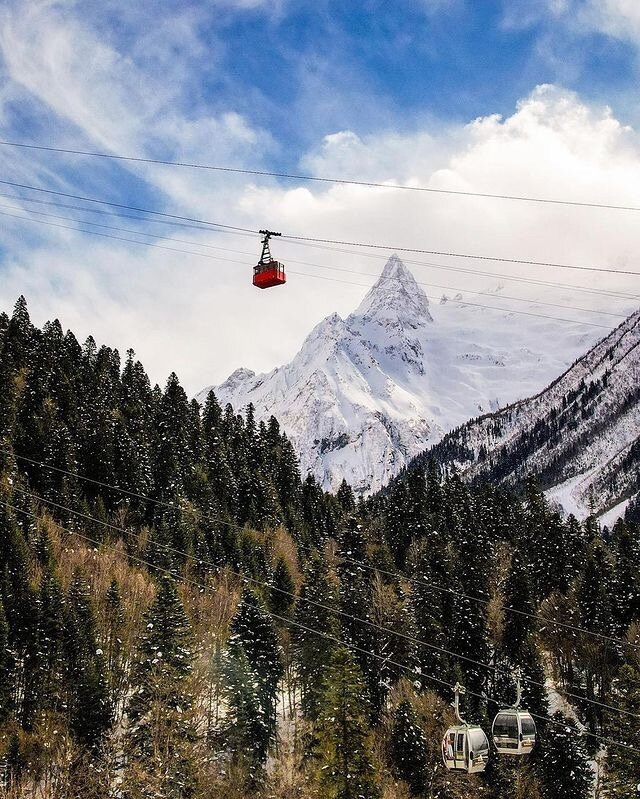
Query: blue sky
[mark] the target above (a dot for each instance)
(525, 96)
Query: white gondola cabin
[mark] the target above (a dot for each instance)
(514, 730)
(465, 747)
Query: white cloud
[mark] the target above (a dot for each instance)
(202, 317)
(619, 19)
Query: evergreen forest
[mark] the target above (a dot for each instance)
(184, 615)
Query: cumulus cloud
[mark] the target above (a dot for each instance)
(196, 311)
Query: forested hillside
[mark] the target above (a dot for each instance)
(182, 615)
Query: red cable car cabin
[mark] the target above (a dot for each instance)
(268, 273)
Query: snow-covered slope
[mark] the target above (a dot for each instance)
(367, 393)
(580, 437)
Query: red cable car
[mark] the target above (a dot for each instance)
(268, 273)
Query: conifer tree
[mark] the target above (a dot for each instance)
(432, 608)
(356, 604)
(313, 652)
(246, 729)
(47, 686)
(343, 751)
(161, 741)
(626, 545)
(345, 498)
(595, 598)
(252, 628)
(623, 768)
(517, 595)
(115, 657)
(90, 705)
(6, 681)
(282, 595)
(563, 762)
(409, 748)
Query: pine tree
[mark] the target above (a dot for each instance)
(409, 748)
(345, 498)
(432, 607)
(313, 652)
(90, 705)
(343, 751)
(253, 630)
(246, 729)
(356, 604)
(518, 627)
(115, 657)
(161, 740)
(282, 594)
(626, 545)
(623, 767)
(595, 596)
(563, 762)
(6, 676)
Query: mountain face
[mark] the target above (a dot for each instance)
(580, 437)
(366, 394)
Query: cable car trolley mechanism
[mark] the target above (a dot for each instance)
(514, 730)
(268, 273)
(465, 747)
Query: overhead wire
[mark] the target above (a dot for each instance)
(467, 271)
(68, 195)
(381, 278)
(353, 647)
(234, 526)
(327, 248)
(318, 240)
(320, 179)
(451, 254)
(457, 592)
(335, 611)
(293, 272)
(329, 241)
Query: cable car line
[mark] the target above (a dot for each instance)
(317, 179)
(328, 608)
(450, 268)
(324, 266)
(471, 304)
(234, 526)
(118, 214)
(306, 263)
(471, 256)
(315, 240)
(300, 274)
(128, 207)
(411, 670)
(541, 619)
(424, 264)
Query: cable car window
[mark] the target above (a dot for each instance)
(528, 726)
(460, 744)
(478, 741)
(506, 726)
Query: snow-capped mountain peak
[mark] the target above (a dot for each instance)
(396, 296)
(365, 394)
